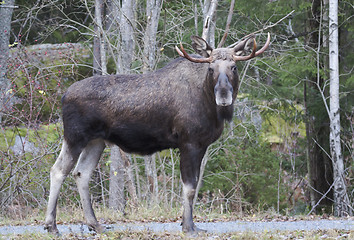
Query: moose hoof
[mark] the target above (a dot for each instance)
(196, 232)
(97, 228)
(196, 229)
(51, 229)
(193, 230)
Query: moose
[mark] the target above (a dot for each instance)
(183, 105)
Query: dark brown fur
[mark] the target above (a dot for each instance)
(145, 113)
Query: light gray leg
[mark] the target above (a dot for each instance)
(61, 168)
(82, 173)
(188, 225)
(187, 218)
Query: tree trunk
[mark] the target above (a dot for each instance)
(99, 13)
(130, 178)
(116, 180)
(341, 199)
(153, 9)
(121, 16)
(126, 26)
(317, 129)
(6, 9)
(151, 174)
(209, 17)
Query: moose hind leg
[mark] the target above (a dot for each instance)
(82, 173)
(61, 168)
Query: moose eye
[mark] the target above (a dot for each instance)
(234, 69)
(211, 71)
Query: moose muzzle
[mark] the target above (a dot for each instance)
(223, 91)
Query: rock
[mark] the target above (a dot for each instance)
(23, 145)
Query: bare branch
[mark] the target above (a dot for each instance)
(228, 22)
(263, 29)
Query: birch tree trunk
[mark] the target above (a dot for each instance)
(341, 199)
(121, 23)
(126, 26)
(151, 174)
(153, 10)
(99, 12)
(6, 9)
(121, 17)
(116, 199)
(209, 17)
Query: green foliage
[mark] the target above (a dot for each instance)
(245, 163)
(282, 119)
(51, 133)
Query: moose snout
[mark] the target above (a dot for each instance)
(223, 91)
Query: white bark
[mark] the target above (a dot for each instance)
(151, 174)
(6, 9)
(99, 5)
(116, 180)
(209, 16)
(120, 31)
(341, 200)
(130, 178)
(126, 26)
(153, 9)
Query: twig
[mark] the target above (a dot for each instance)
(323, 196)
(6, 6)
(273, 25)
(263, 29)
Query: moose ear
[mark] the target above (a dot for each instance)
(244, 46)
(201, 46)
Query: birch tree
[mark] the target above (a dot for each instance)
(153, 10)
(120, 29)
(341, 199)
(209, 17)
(100, 41)
(6, 9)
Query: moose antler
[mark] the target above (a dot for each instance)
(254, 53)
(184, 54)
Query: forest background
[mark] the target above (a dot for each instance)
(274, 155)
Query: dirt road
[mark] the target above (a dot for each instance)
(211, 227)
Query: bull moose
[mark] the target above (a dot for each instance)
(183, 105)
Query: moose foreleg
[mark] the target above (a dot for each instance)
(82, 173)
(191, 158)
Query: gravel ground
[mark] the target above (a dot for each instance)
(211, 227)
